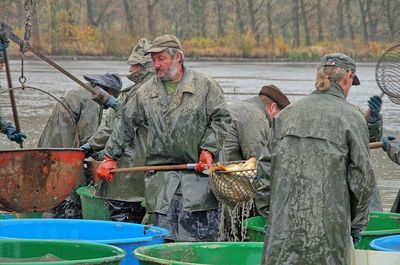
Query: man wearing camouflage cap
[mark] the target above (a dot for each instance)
(187, 120)
(319, 170)
(251, 122)
(126, 192)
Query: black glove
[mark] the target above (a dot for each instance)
(88, 149)
(356, 236)
(375, 104)
(13, 135)
(386, 141)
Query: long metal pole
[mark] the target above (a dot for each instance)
(11, 92)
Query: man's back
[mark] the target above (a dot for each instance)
(321, 170)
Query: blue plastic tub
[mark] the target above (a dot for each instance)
(127, 236)
(387, 243)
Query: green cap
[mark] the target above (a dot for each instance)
(137, 56)
(343, 61)
(164, 42)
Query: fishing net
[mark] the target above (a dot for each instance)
(388, 72)
(233, 186)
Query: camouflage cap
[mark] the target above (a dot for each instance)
(276, 95)
(343, 61)
(138, 53)
(164, 42)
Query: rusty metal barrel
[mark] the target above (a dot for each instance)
(38, 179)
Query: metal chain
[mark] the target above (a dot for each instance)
(27, 37)
(22, 78)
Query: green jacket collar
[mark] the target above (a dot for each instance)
(334, 90)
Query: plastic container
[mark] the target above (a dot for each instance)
(25, 251)
(255, 227)
(127, 236)
(5, 215)
(93, 207)
(380, 224)
(205, 253)
(387, 243)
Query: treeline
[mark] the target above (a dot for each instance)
(271, 29)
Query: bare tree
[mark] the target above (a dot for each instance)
(305, 23)
(151, 18)
(269, 12)
(128, 10)
(349, 17)
(341, 31)
(254, 8)
(319, 21)
(90, 12)
(239, 18)
(296, 23)
(219, 5)
(363, 11)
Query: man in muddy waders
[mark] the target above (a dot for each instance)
(126, 191)
(6, 126)
(319, 171)
(185, 115)
(73, 121)
(251, 122)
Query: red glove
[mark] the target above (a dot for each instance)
(103, 172)
(204, 159)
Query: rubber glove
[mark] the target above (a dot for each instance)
(103, 172)
(356, 236)
(3, 44)
(386, 141)
(88, 149)
(205, 158)
(375, 104)
(111, 102)
(13, 135)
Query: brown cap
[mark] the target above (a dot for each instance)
(276, 95)
(164, 42)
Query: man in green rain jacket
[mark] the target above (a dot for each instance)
(319, 172)
(251, 122)
(186, 117)
(73, 121)
(126, 191)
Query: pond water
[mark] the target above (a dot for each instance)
(239, 80)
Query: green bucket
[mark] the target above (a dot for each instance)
(205, 253)
(57, 252)
(255, 227)
(380, 224)
(93, 206)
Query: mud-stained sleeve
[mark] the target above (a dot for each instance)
(124, 128)
(218, 117)
(263, 194)
(360, 178)
(375, 129)
(99, 140)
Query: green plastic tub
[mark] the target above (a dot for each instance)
(205, 253)
(255, 227)
(380, 224)
(93, 207)
(35, 252)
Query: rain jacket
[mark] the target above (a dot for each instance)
(194, 118)
(248, 131)
(78, 115)
(125, 186)
(393, 151)
(321, 180)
